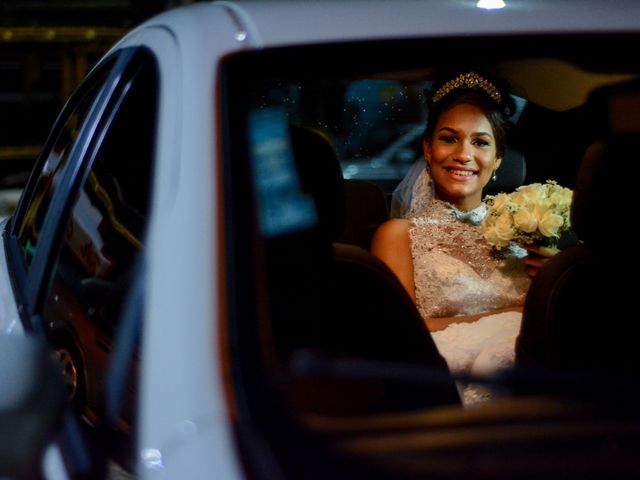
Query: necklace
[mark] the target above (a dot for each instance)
(473, 217)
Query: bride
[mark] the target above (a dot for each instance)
(437, 250)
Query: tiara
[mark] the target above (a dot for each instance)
(467, 80)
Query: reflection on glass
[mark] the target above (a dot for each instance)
(47, 182)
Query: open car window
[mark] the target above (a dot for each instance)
(332, 351)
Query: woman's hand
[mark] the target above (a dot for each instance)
(536, 258)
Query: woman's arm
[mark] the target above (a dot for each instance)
(391, 244)
(435, 324)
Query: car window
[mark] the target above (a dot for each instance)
(54, 159)
(376, 125)
(103, 236)
(312, 324)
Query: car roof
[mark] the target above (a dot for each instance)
(283, 23)
(269, 23)
(223, 28)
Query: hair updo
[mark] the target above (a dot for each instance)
(489, 94)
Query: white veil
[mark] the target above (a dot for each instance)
(414, 193)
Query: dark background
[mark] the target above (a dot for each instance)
(46, 48)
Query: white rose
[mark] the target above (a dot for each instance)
(525, 220)
(545, 207)
(499, 201)
(557, 197)
(550, 224)
(532, 193)
(491, 237)
(539, 211)
(504, 227)
(520, 199)
(562, 200)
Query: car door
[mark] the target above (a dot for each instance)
(79, 230)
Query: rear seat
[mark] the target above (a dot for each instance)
(335, 305)
(366, 208)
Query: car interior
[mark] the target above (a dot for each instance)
(331, 364)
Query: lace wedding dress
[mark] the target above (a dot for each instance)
(457, 273)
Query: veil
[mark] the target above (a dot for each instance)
(413, 195)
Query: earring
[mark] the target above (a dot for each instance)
(494, 176)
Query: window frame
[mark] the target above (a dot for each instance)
(30, 284)
(78, 183)
(15, 259)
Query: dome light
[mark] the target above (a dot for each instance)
(491, 4)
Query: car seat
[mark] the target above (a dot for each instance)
(577, 314)
(366, 208)
(342, 322)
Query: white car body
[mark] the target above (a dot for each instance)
(10, 323)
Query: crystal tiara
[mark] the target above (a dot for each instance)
(469, 80)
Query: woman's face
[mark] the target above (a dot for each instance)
(462, 155)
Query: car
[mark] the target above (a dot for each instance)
(390, 164)
(178, 245)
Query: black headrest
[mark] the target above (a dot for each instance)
(602, 196)
(321, 178)
(366, 209)
(511, 173)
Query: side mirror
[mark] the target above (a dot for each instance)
(32, 404)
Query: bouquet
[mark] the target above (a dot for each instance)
(533, 214)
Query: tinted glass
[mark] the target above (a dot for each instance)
(375, 125)
(103, 235)
(52, 168)
(342, 344)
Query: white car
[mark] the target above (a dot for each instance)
(179, 245)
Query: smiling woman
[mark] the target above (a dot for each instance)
(465, 138)
(462, 155)
(463, 146)
(438, 253)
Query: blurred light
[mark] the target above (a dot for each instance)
(491, 4)
(152, 458)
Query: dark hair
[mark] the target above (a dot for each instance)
(496, 104)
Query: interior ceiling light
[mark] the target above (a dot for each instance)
(491, 4)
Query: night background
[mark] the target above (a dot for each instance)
(46, 49)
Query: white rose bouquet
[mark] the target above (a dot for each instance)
(533, 214)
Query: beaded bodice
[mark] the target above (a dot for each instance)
(455, 271)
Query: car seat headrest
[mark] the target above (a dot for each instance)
(321, 178)
(601, 199)
(366, 209)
